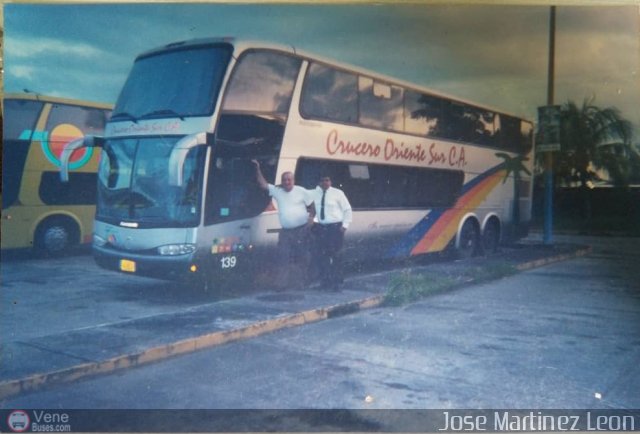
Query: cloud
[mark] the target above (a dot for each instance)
(30, 47)
(499, 56)
(95, 85)
(57, 66)
(602, 56)
(23, 72)
(496, 55)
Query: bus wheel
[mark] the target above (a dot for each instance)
(55, 236)
(469, 240)
(491, 237)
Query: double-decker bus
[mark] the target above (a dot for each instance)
(177, 192)
(38, 210)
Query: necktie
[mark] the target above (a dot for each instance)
(322, 205)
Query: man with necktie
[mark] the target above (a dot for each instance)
(333, 215)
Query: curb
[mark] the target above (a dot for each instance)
(552, 259)
(185, 346)
(209, 340)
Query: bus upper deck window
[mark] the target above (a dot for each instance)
(262, 82)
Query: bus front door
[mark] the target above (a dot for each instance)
(234, 200)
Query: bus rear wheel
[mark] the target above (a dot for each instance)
(491, 237)
(469, 243)
(55, 236)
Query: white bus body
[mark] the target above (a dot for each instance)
(423, 171)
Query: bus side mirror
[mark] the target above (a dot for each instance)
(179, 155)
(84, 142)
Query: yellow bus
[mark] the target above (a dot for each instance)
(39, 211)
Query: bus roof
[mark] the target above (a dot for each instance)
(55, 99)
(247, 44)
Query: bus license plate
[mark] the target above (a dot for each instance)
(128, 266)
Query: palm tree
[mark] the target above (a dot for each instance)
(583, 132)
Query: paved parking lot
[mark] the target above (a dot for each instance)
(556, 336)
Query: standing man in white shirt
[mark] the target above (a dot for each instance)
(334, 215)
(296, 214)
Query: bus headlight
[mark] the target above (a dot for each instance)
(176, 249)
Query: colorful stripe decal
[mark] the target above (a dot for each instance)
(440, 226)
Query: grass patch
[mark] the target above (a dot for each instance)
(407, 287)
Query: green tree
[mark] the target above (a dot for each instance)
(586, 133)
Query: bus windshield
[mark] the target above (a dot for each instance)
(133, 184)
(177, 83)
(20, 117)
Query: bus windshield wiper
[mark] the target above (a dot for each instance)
(162, 112)
(125, 115)
(133, 199)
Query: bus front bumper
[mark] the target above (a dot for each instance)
(162, 267)
(194, 268)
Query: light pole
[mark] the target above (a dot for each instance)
(548, 161)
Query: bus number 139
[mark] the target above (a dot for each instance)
(228, 262)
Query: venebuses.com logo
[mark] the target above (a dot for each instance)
(18, 421)
(38, 421)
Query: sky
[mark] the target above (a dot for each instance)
(495, 55)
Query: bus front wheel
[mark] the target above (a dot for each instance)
(55, 236)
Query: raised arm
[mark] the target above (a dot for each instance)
(260, 177)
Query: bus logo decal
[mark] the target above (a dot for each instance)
(438, 228)
(54, 142)
(397, 151)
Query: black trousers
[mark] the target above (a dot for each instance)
(328, 243)
(294, 257)
(294, 244)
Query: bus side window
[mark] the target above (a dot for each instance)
(262, 82)
(509, 133)
(330, 94)
(87, 120)
(381, 105)
(423, 115)
(78, 191)
(247, 196)
(380, 186)
(20, 119)
(526, 137)
(256, 103)
(233, 192)
(263, 134)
